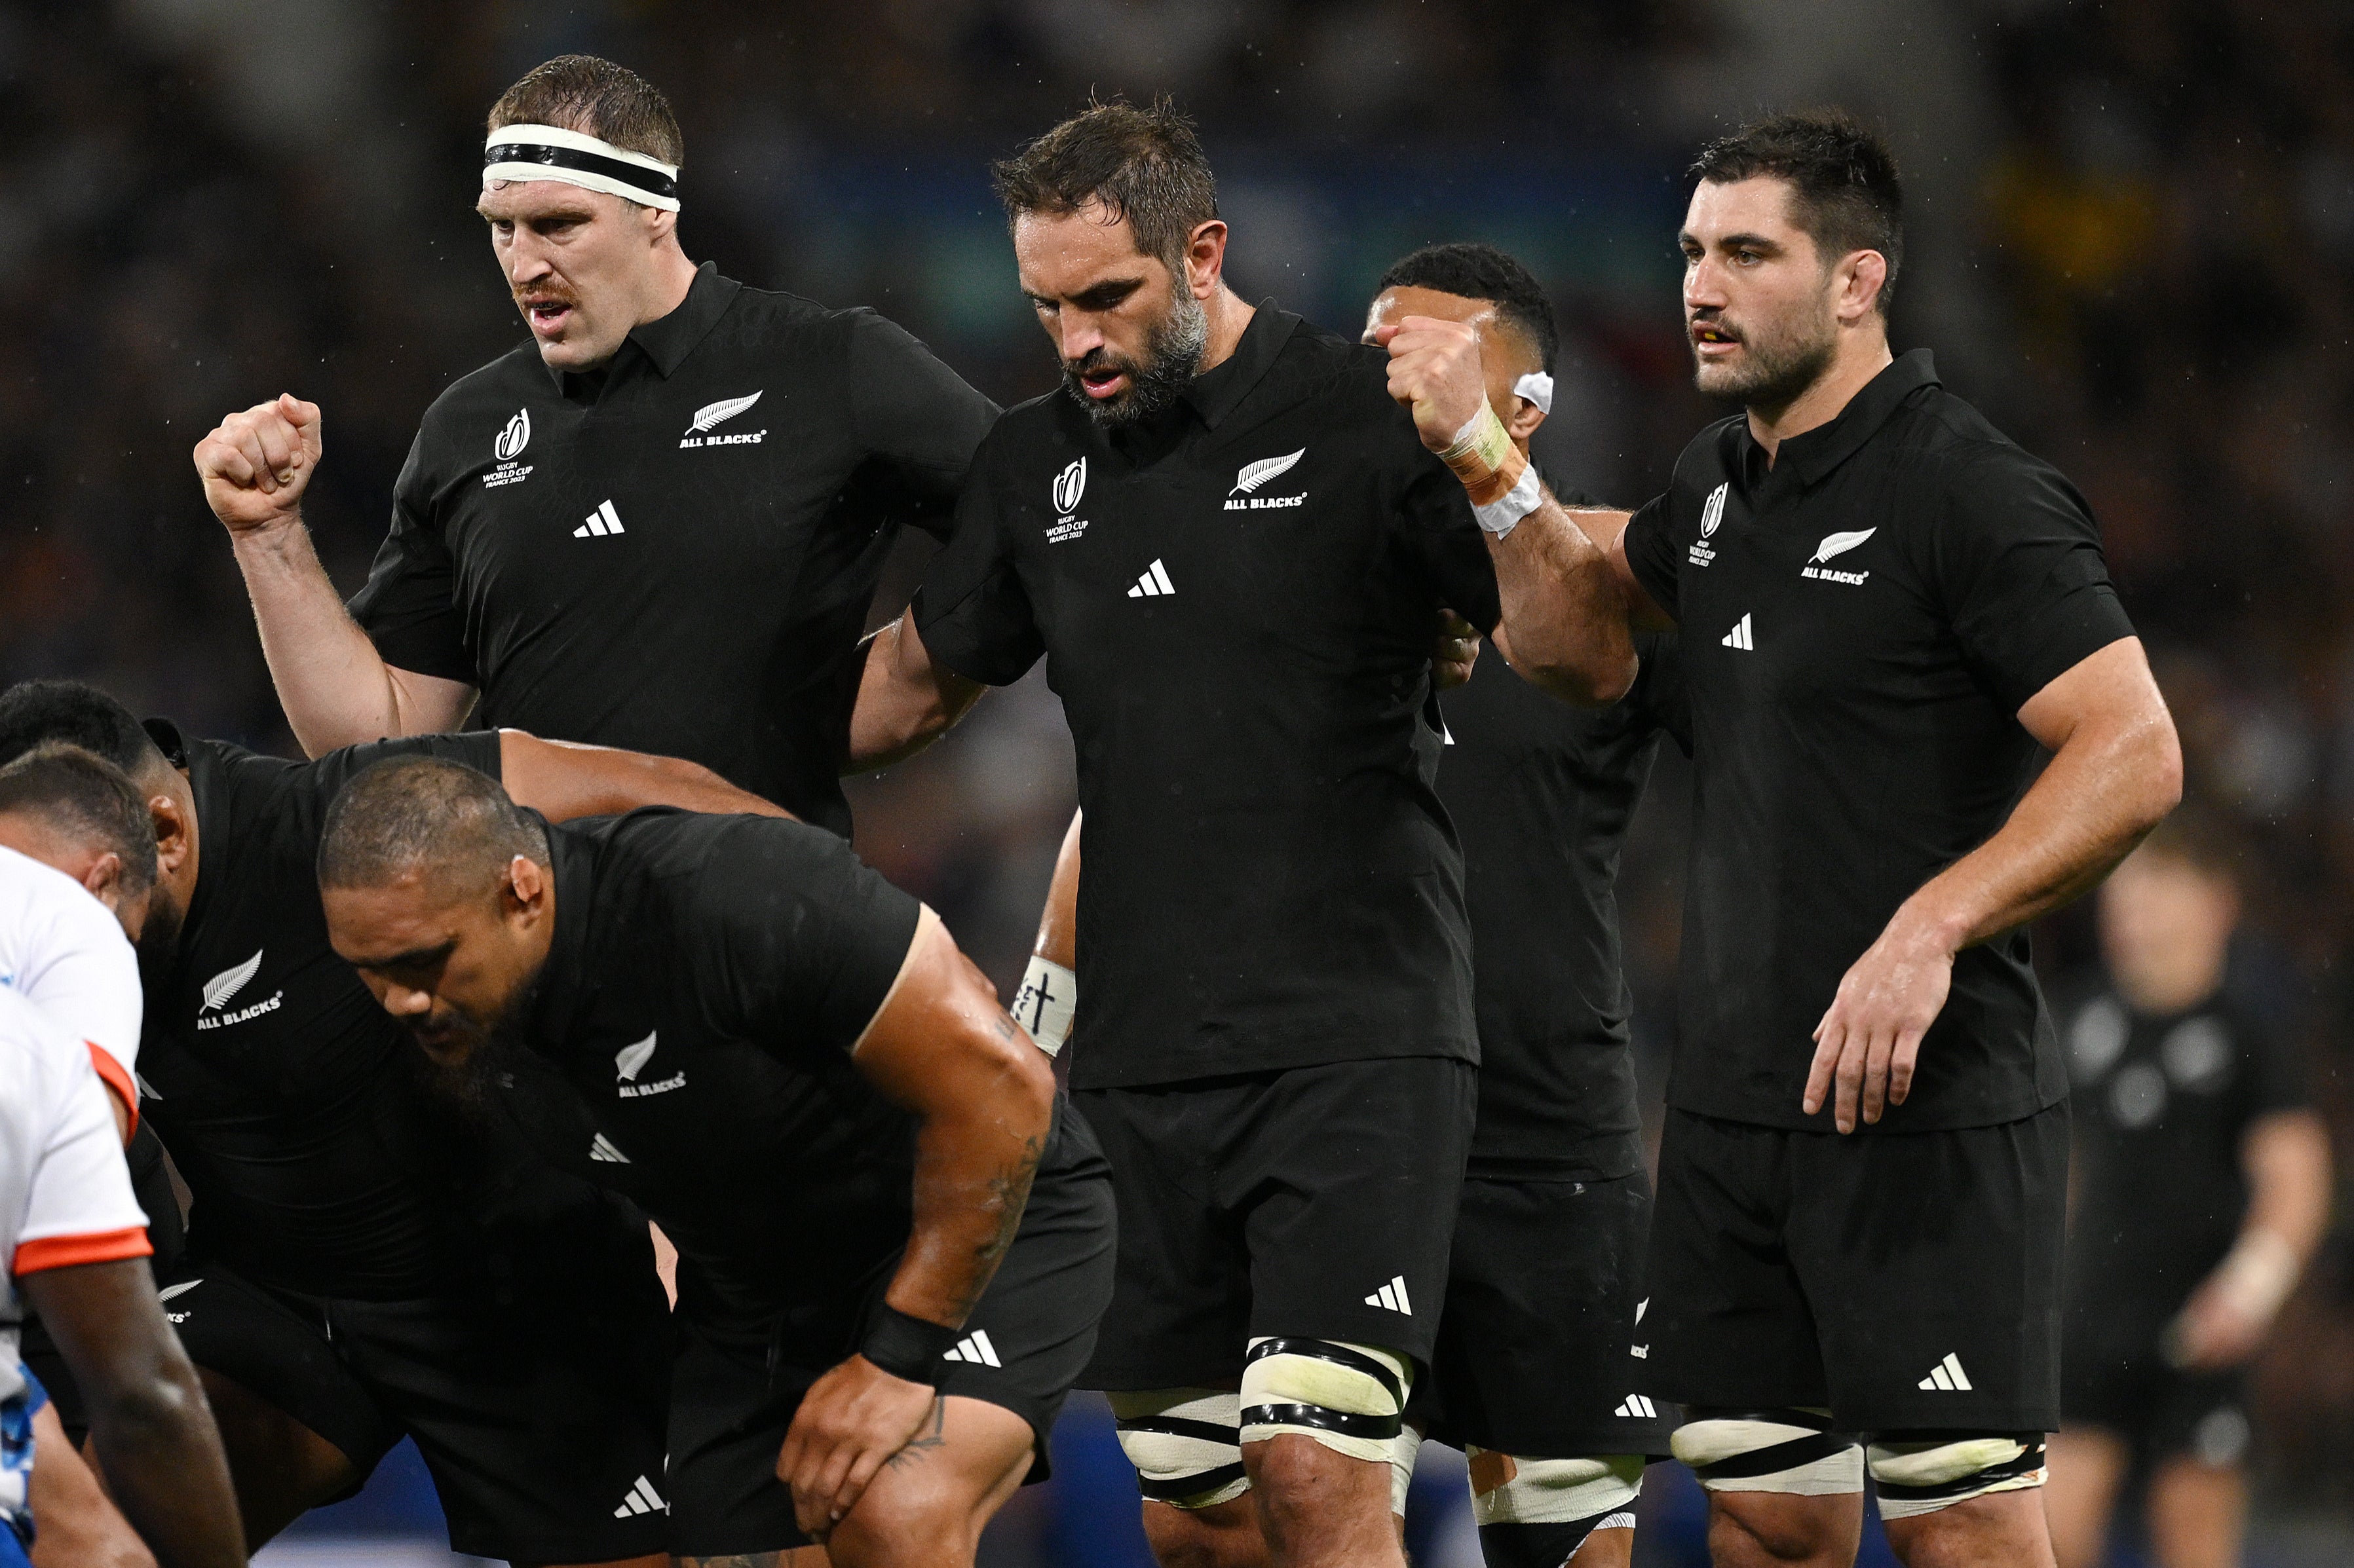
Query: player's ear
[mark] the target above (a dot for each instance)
(104, 873)
(175, 837)
(1206, 258)
(1861, 274)
(1523, 420)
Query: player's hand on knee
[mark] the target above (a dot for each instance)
(851, 1422)
(1868, 1044)
(256, 465)
(1434, 371)
(1455, 651)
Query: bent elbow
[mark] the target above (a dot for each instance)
(2162, 775)
(1586, 683)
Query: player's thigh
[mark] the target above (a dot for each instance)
(1729, 1323)
(78, 1526)
(930, 1500)
(1932, 1263)
(2084, 1466)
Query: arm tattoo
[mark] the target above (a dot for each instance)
(1009, 1189)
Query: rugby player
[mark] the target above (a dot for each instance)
(75, 1248)
(354, 1272)
(2203, 1188)
(1224, 538)
(789, 1064)
(1885, 608)
(657, 523)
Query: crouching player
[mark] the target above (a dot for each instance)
(788, 1064)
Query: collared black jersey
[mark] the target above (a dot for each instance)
(691, 1041)
(675, 555)
(1235, 601)
(1542, 794)
(1861, 622)
(2161, 1108)
(295, 1106)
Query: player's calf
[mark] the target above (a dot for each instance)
(1539, 1513)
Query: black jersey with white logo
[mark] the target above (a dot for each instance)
(291, 1103)
(675, 553)
(1235, 601)
(2162, 1106)
(690, 1045)
(1542, 794)
(1861, 622)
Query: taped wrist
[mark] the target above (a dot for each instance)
(1350, 1398)
(1185, 1443)
(1044, 1006)
(1790, 1450)
(1921, 1475)
(909, 1348)
(1483, 457)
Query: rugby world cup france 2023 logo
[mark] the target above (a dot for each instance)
(1070, 485)
(514, 437)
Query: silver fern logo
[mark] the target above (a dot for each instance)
(514, 437)
(711, 416)
(222, 989)
(1070, 485)
(1254, 474)
(1840, 544)
(628, 1059)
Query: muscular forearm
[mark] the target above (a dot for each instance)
(336, 689)
(904, 701)
(162, 1458)
(563, 781)
(1564, 621)
(973, 1168)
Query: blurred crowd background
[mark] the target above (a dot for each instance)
(2131, 240)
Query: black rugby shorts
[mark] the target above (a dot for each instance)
(1905, 1281)
(1540, 1354)
(2118, 1379)
(1306, 1201)
(736, 1386)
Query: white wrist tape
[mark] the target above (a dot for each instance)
(1503, 514)
(1049, 995)
(2257, 1274)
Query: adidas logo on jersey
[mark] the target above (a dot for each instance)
(600, 1147)
(601, 522)
(1154, 583)
(643, 1498)
(975, 1348)
(1392, 1295)
(1741, 637)
(1636, 1407)
(1946, 1375)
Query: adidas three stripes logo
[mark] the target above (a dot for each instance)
(1154, 583)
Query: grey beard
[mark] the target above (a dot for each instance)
(1172, 357)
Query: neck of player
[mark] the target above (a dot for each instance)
(1860, 353)
(1229, 314)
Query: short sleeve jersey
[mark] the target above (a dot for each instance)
(2161, 1107)
(691, 1042)
(1542, 794)
(1235, 601)
(676, 553)
(1861, 622)
(290, 1102)
(65, 952)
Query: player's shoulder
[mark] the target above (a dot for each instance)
(765, 318)
(1946, 439)
(708, 858)
(515, 377)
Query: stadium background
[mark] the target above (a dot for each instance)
(2130, 242)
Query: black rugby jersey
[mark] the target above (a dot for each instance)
(1542, 794)
(290, 1102)
(2160, 1108)
(1235, 602)
(690, 1047)
(1860, 623)
(675, 553)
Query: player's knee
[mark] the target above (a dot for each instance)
(1536, 1513)
(1921, 1475)
(1782, 1450)
(926, 1526)
(1185, 1443)
(1348, 1398)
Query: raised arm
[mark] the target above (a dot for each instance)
(983, 1100)
(561, 779)
(1050, 987)
(148, 1419)
(2115, 770)
(337, 691)
(906, 701)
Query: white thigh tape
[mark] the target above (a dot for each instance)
(1552, 1492)
(1404, 1453)
(1347, 1397)
(1781, 1451)
(1185, 1443)
(1922, 1478)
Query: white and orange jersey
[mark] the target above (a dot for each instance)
(65, 952)
(65, 1192)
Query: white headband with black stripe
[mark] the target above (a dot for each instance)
(551, 152)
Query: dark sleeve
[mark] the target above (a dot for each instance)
(2281, 1083)
(1660, 692)
(1652, 552)
(408, 606)
(1446, 538)
(478, 750)
(915, 415)
(2018, 568)
(806, 941)
(972, 608)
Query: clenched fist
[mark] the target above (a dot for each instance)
(257, 465)
(1434, 371)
